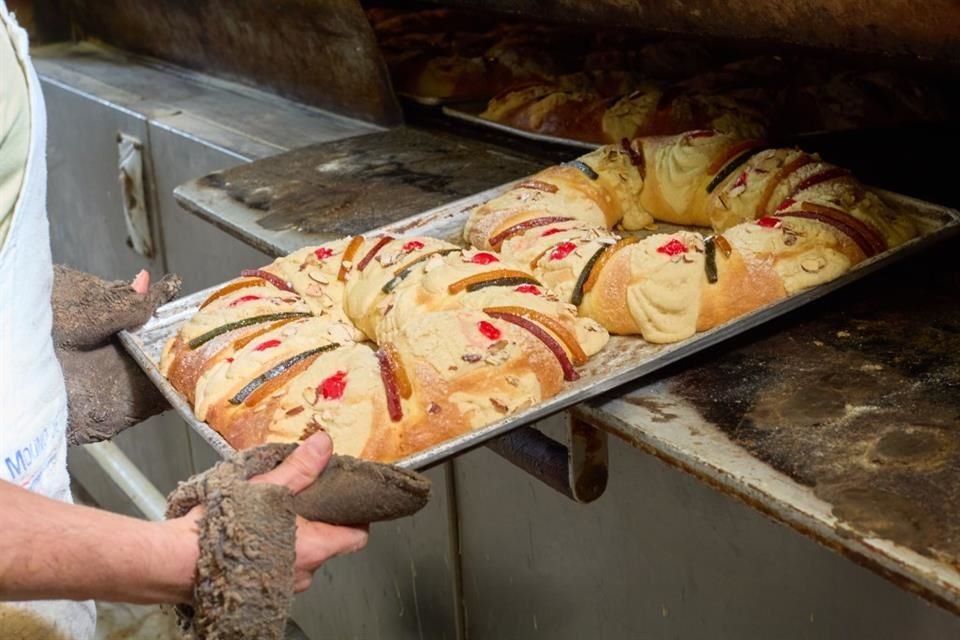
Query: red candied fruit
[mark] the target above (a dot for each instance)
(229, 359)
(323, 253)
(786, 204)
(562, 250)
(741, 181)
(243, 299)
(332, 388)
(702, 133)
(413, 245)
(550, 232)
(769, 222)
(673, 248)
(488, 330)
(269, 344)
(484, 258)
(528, 288)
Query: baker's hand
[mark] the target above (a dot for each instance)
(317, 542)
(106, 390)
(250, 549)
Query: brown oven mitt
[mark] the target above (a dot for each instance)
(245, 572)
(106, 390)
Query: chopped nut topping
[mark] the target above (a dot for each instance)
(497, 347)
(513, 381)
(497, 358)
(317, 276)
(295, 411)
(499, 406)
(433, 408)
(812, 265)
(387, 259)
(340, 333)
(769, 163)
(471, 357)
(312, 427)
(315, 289)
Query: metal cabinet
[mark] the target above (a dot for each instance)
(88, 232)
(659, 555)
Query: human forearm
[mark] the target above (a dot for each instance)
(53, 550)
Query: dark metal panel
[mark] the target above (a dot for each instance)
(322, 52)
(87, 231)
(84, 204)
(402, 586)
(334, 189)
(199, 253)
(659, 555)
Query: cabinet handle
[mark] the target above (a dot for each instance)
(133, 194)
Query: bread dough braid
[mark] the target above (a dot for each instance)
(784, 220)
(389, 345)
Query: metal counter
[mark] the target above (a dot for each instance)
(840, 421)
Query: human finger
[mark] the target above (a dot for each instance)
(302, 467)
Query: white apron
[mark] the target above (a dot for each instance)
(33, 400)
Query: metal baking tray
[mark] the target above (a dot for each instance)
(433, 101)
(470, 112)
(624, 359)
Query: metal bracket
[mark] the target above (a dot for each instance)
(577, 469)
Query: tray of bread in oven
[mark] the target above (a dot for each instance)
(428, 337)
(570, 85)
(768, 96)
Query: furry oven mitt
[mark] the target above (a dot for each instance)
(106, 390)
(245, 572)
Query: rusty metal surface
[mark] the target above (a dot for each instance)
(917, 28)
(842, 420)
(330, 190)
(321, 52)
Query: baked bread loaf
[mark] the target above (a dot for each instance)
(589, 114)
(389, 345)
(784, 221)
(396, 344)
(752, 97)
